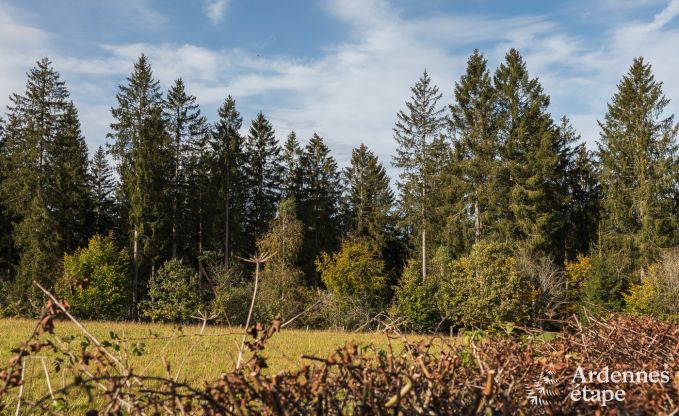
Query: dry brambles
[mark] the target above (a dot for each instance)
(482, 376)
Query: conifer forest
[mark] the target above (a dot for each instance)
(499, 212)
(339, 207)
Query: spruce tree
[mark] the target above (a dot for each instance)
(474, 126)
(578, 181)
(418, 135)
(290, 161)
(68, 181)
(35, 122)
(319, 205)
(529, 195)
(102, 187)
(6, 241)
(263, 171)
(228, 179)
(185, 125)
(142, 148)
(370, 199)
(639, 172)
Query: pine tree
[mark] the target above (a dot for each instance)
(369, 196)
(142, 149)
(6, 241)
(228, 179)
(319, 205)
(185, 125)
(529, 195)
(68, 181)
(263, 177)
(290, 161)
(102, 188)
(639, 172)
(474, 125)
(418, 135)
(34, 123)
(578, 181)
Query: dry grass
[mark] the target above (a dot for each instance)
(214, 353)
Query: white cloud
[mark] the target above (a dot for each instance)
(351, 93)
(215, 9)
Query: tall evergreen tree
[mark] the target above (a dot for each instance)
(577, 180)
(263, 178)
(228, 178)
(319, 205)
(369, 196)
(532, 200)
(290, 160)
(102, 187)
(185, 125)
(418, 135)
(34, 123)
(474, 126)
(639, 170)
(6, 241)
(68, 181)
(142, 149)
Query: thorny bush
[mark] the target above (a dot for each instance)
(480, 376)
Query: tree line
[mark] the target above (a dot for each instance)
(501, 214)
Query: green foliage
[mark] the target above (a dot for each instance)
(232, 294)
(607, 281)
(227, 182)
(639, 173)
(318, 208)
(174, 293)
(415, 301)
(487, 287)
(356, 270)
(281, 290)
(96, 281)
(658, 292)
(369, 197)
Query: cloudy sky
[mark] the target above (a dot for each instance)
(342, 68)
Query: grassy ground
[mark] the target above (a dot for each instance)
(209, 356)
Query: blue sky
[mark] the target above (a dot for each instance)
(341, 68)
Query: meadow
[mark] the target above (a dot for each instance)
(154, 348)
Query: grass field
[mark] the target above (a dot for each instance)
(210, 355)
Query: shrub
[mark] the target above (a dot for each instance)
(549, 283)
(95, 280)
(232, 294)
(487, 287)
(174, 293)
(355, 271)
(417, 301)
(281, 291)
(607, 282)
(658, 293)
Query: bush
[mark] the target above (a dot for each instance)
(658, 292)
(487, 287)
(549, 282)
(417, 301)
(281, 291)
(232, 294)
(356, 271)
(607, 282)
(174, 293)
(95, 281)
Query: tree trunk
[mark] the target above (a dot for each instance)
(477, 222)
(227, 215)
(135, 281)
(424, 254)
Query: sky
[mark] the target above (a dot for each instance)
(341, 68)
